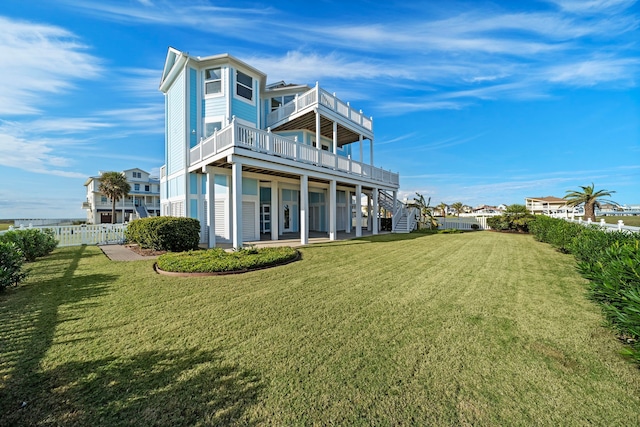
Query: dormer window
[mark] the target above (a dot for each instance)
(212, 81)
(244, 85)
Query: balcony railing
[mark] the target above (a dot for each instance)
(241, 136)
(311, 98)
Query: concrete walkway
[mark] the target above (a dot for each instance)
(122, 253)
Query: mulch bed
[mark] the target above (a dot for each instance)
(144, 252)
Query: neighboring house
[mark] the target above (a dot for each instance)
(547, 205)
(251, 159)
(142, 201)
(487, 210)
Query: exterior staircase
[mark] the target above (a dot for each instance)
(142, 212)
(404, 218)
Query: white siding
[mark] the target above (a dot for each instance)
(176, 110)
(248, 221)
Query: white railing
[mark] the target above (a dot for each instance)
(77, 235)
(619, 226)
(262, 141)
(325, 99)
(463, 223)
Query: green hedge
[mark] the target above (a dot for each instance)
(217, 260)
(611, 262)
(11, 260)
(164, 233)
(32, 242)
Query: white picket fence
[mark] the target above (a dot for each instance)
(619, 226)
(463, 223)
(77, 235)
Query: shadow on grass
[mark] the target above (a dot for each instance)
(159, 388)
(379, 238)
(29, 317)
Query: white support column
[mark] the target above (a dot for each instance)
(369, 216)
(236, 203)
(211, 202)
(335, 137)
(347, 228)
(304, 210)
(275, 210)
(358, 210)
(374, 215)
(371, 151)
(318, 133)
(360, 159)
(395, 208)
(333, 235)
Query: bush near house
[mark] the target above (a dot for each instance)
(611, 262)
(217, 260)
(515, 218)
(164, 233)
(32, 242)
(11, 260)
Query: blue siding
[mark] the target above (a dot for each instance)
(244, 111)
(193, 183)
(203, 181)
(176, 160)
(176, 186)
(193, 106)
(193, 211)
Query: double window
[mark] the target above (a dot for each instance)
(278, 101)
(212, 81)
(244, 85)
(137, 174)
(136, 187)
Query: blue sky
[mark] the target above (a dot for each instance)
(482, 102)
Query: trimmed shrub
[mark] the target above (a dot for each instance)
(164, 233)
(515, 218)
(217, 260)
(32, 242)
(11, 261)
(557, 232)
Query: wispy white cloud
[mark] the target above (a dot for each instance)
(51, 56)
(592, 6)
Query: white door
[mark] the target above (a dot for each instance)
(248, 221)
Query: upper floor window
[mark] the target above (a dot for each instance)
(146, 188)
(137, 174)
(136, 187)
(278, 101)
(210, 128)
(213, 81)
(244, 85)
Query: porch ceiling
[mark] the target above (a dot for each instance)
(308, 121)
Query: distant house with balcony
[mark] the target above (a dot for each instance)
(255, 161)
(548, 205)
(142, 201)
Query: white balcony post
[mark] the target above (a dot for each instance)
(275, 210)
(347, 228)
(369, 220)
(335, 143)
(295, 107)
(358, 210)
(332, 210)
(371, 153)
(361, 154)
(318, 133)
(374, 217)
(395, 209)
(268, 145)
(211, 201)
(236, 184)
(304, 210)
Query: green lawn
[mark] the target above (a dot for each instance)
(462, 329)
(5, 225)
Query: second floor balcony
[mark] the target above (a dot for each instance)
(236, 135)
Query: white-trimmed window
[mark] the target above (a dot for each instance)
(136, 187)
(212, 81)
(244, 85)
(278, 101)
(211, 126)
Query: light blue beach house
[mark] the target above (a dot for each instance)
(255, 161)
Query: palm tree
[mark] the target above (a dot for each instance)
(426, 211)
(589, 197)
(442, 207)
(114, 185)
(458, 207)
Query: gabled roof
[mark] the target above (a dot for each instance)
(549, 199)
(176, 60)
